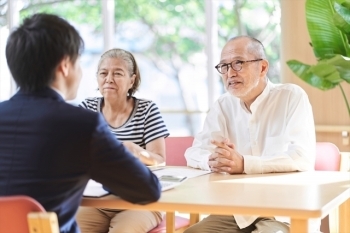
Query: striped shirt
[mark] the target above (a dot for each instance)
(144, 125)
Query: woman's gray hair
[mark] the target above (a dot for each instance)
(130, 62)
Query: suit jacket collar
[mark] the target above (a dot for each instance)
(47, 92)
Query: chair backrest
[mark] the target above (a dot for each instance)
(175, 150)
(327, 157)
(24, 214)
(14, 211)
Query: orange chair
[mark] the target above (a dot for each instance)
(328, 158)
(175, 150)
(25, 215)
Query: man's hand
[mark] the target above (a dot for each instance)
(225, 158)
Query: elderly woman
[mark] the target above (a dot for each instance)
(138, 124)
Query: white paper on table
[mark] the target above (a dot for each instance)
(180, 171)
(94, 189)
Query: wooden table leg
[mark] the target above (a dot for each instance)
(170, 222)
(299, 225)
(334, 220)
(344, 217)
(194, 218)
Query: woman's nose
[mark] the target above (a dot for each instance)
(109, 78)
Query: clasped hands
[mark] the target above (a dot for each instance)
(225, 158)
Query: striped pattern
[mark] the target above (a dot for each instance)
(143, 126)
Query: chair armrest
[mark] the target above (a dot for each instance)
(43, 222)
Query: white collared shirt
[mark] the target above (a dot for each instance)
(278, 135)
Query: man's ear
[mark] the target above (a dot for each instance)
(264, 67)
(63, 66)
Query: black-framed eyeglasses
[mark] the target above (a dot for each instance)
(235, 65)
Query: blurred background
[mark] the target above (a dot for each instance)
(176, 43)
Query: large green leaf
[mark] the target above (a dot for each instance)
(326, 38)
(328, 23)
(305, 73)
(342, 18)
(345, 3)
(344, 73)
(342, 21)
(342, 65)
(326, 71)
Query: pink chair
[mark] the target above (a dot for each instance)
(180, 224)
(328, 158)
(24, 214)
(175, 150)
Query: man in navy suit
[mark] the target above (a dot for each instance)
(50, 149)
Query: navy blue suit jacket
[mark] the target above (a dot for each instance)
(50, 149)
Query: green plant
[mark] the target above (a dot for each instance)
(328, 23)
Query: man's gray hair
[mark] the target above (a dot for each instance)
(255, 47)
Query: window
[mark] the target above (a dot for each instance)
(168, 39)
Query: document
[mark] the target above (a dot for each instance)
(94, 189)
(179, 171)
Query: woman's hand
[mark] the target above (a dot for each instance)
(154, 154)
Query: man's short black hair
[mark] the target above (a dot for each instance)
(37, 46)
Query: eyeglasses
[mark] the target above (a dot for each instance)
(235, 65)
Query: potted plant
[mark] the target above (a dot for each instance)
(328, 23)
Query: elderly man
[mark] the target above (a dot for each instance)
(256, 127)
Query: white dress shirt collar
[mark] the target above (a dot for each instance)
(258, 99)
(59, 92)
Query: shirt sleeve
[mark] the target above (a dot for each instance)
(197, 156)
(154, 124)
(300, 138)
(115, 167)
